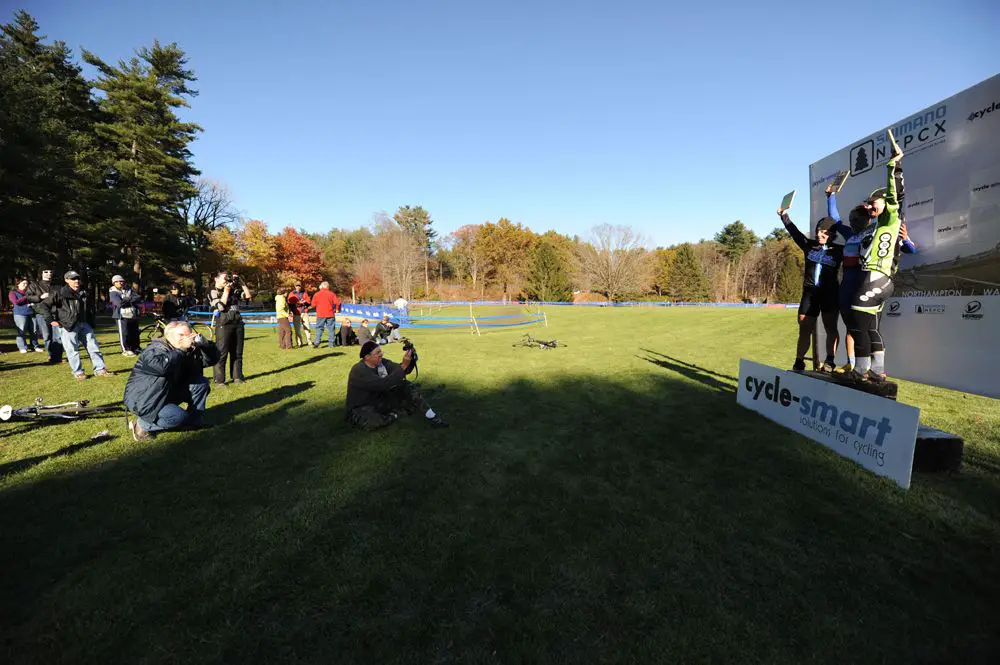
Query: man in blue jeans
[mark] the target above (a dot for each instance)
(72, 320)
(37, 292)
(169, 372)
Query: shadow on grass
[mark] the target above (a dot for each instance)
(580, 520)
(25, 464)
(692, 371)
(302, 363)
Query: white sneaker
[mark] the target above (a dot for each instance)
(24, 350)
(39, 350)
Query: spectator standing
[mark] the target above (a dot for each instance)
(67, 312)
(24, 317)
(298, 305)
(37, 292)
(229, 328)
(174, 306)
(326, 304)
(284, 318)
(125, 311)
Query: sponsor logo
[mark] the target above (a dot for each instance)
(983, 188)
(895, 309)
(930, 309)
(866, 435)
(973, 310)
(862, 157)
(976, 115)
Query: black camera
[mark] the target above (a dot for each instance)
(408, 346)
(232, 278)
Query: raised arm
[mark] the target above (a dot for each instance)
(793, 230)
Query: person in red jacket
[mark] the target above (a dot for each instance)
(299, 303)
(325, 303)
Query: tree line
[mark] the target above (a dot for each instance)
(97, 175)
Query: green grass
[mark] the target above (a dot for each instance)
(605, 502)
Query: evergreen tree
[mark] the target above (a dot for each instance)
(417, 222)
(547, 277)
(789, 285)
(736, 239)
(687, 280)
(146, 148)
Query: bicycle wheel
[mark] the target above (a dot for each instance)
(205, 331)
(151, 332)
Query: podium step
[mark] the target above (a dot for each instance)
(886, 389)
(937, 450)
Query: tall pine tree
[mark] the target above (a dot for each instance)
(687, 279)
(147, 152)
(547, 278)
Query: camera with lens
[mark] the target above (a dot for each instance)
(232, 279)
(408, 346)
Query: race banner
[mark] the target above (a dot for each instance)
(942, 323)
(877, 433)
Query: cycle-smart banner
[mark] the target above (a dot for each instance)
(877, 433)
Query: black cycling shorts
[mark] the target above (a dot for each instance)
(817, 299)
(875, 289)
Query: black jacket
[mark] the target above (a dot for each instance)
(35, 292)
(366, 388)
(68, 307)
(163, 370)
(383, 330)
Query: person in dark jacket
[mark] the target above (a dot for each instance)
(37, 292)
(125, 311)
(170, 371)
(66, 311)
(24, 317)
(174, 305)
(346, 333)
(386, 331)
(377, 390)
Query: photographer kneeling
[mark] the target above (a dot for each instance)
(377, 388)
(170, 371)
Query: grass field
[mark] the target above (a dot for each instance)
(605, 502)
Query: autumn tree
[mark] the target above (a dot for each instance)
(297, 258)
(504, 250)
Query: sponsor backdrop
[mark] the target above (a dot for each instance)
(877, 433)
(943, 325)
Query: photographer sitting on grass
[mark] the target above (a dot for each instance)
(377, 389)
(386, 331)
(170, 371)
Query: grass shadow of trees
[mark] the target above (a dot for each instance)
(576, 520)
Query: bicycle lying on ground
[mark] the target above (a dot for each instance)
(64, 411)
(155, 329)
(529, 341)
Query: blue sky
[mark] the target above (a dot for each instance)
(563, 114)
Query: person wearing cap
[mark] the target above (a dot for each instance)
(37, 292)
(174, 306)
(819, 284)
(386, 331)
(298, 305)
(377, 391)
(67, 312)
(125, 311)
(878, 248)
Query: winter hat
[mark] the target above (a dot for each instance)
(367, 348)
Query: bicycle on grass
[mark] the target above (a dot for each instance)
(64, 411)
(155, 329)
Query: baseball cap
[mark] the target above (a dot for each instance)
(117, 278)
(877, 194)
(825, 224)
(72, 274)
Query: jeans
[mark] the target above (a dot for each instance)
(71, 342)
(328, 324)
(52, 339)
(25, 325)
(172, 416)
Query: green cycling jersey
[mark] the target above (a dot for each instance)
(878, 242)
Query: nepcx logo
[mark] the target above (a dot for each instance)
(975, 115)
(973, 310)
